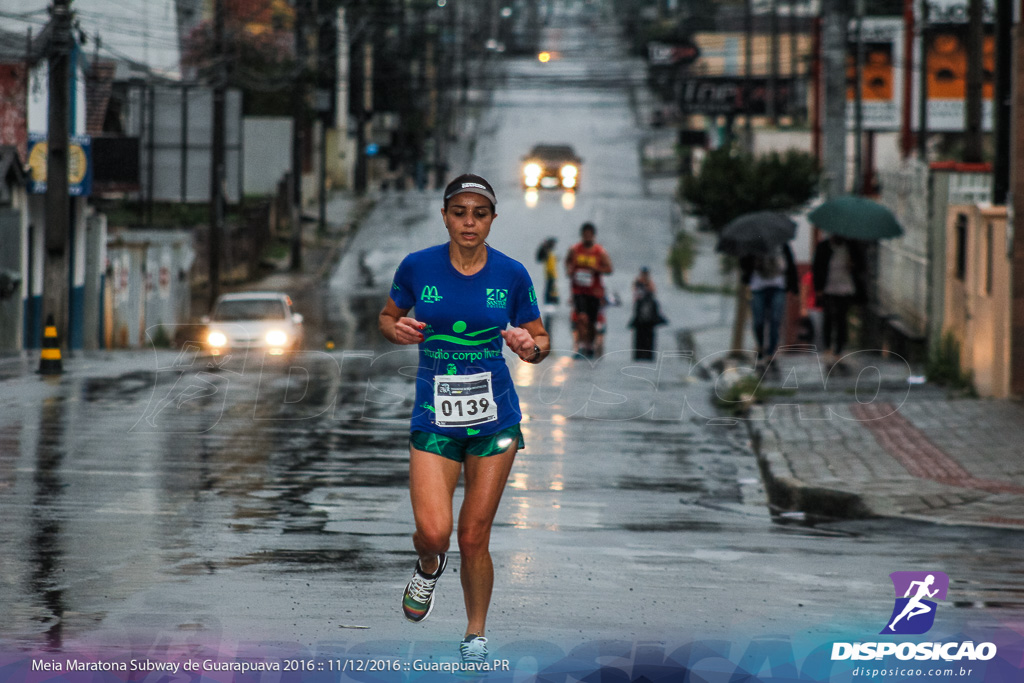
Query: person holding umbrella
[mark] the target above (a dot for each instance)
(840, 264)
(761, 241)
(839, 267)
(770, 275)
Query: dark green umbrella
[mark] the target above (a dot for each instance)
(755, 233)
(856, 218)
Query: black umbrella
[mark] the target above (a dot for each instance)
(756, 233)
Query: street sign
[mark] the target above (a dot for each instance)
(714, 95)
(664, 54)
(79, 164)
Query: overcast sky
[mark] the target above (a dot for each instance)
(143, 31)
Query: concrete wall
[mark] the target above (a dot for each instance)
(903, 263)
(267, 150)
(978, 294)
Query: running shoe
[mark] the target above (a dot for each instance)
(419, 593)
(473, 649)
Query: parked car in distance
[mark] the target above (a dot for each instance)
(551, 167)
(262, 321)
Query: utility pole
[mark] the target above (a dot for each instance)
(858, 99)
(794, 67)
(922, 101)
(58, 202)
(973, 135)
(773, 69)
(1003, 101)
(217, 160)
(298, 131)
(836, 22)
(906, 132)
(365, 116)
(748, 74)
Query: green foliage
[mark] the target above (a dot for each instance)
(125, 213)
(943, 367)
(731, 183)
(681, 256)
(160, 339)
(738, 396)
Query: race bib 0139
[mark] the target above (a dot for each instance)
(464, 400)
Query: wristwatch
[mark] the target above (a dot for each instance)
(535, 358)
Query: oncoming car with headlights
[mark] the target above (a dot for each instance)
(262, 321)
(551, 167)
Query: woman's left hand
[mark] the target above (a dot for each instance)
(521, 342)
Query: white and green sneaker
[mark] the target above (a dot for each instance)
(473, 649)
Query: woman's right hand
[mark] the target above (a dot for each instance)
(407, 331)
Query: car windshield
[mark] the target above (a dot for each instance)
(553, 152)
(249, 309)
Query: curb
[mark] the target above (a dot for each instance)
(788, 494)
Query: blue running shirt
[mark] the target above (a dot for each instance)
(465, 315)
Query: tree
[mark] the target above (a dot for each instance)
(732, 183)
(259, 53)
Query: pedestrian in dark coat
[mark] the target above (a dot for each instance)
(839, 270)
(646, 316)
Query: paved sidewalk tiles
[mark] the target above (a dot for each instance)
(903, 450)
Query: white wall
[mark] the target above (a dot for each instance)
(267, 153)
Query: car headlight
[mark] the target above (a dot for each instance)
(532, 170)
(569, 171)
(216, 339)
(276, 338)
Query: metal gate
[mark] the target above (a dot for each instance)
(10, 266)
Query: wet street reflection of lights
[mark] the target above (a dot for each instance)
(527, 373)
(531, 197)
(518, 568)
(568, 200)
(519, 480)
(556, 371)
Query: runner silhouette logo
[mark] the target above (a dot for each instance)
(914, 611)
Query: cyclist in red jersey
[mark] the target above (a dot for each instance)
(586, 263)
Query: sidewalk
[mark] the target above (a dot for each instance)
(319, 251)
(873, 439)
(876, 440)
(833, 446)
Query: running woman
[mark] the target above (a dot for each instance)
(466, 414)
(585, 263)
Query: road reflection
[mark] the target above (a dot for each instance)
(45, 528)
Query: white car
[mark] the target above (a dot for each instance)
(262, 321)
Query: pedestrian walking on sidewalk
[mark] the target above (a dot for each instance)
(839, 268)
(646, 316)
(466, 415)
(770, 275)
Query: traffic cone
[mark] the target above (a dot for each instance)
(49, 357)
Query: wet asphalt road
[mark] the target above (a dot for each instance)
(151, 503)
